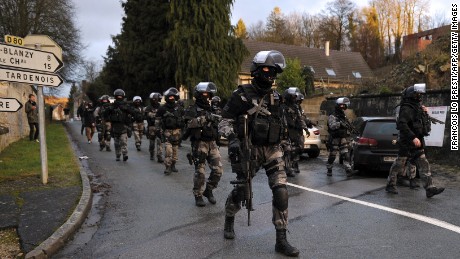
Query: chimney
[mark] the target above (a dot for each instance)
(326, 48)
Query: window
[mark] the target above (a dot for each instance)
(356, 74)
(330, 72)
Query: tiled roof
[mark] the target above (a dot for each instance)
(343, 63)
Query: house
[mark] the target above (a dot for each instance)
(329, 66)
(417, 42)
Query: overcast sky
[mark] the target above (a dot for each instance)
(98, 20)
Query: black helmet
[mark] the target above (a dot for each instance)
(119, 94)
(415, 92)
(171, 92)
(155, 95)
(265, 66)
(290, 95)
(215, 100)
(342, 103)
(205, 90)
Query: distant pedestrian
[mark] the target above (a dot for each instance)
(138, 121)
(31, 109)
(89, 121)
(80, 110)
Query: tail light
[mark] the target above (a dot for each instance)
(367, 142)
(316, 132)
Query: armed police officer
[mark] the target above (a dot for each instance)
(295, 126)
(215, 105)
(103, 126)
(253, 123)
(169, 117)
(202, 129)
(119, 114)
(413, 125)
(338, 129)
(150, 113)
(138, 121)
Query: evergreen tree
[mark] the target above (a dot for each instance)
(291, 76)
(139, 63)
(203, 46)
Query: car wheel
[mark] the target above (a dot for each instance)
(313, 153)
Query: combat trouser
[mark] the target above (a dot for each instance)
(339, 145)
(172, 137)
(138, 128)
(415, 157)
(154, 141)
(270, 158)
(206, 151)
(121, 144)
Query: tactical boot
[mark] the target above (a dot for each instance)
(107, 148)
(160, 159)
(101, 147)
(173, 167)
(289, 173)
(125, 157)
(413, 184)
(283, 246)
(168, 170)
(430, 192)
(118, 158)
(229, 232)
(391, 189)
(151, 156)
(329, 172)
(208, 194)
(199, 202)
(138, 147)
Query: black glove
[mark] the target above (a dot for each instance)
(234, 146)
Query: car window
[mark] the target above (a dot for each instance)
(380, 128)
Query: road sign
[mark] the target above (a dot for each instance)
(9, 105)
(25, 58)
(30, 77)
(43, 42)
(10, 39)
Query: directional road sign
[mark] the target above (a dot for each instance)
(9, 105)
(30, 77)
(29, 59)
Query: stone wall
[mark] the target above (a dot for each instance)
(15, 122)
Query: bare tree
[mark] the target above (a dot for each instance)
(336, 23)
(257, 31)
(311, 30)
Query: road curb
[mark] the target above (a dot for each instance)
(57, 240)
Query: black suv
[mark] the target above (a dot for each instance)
(375, 147)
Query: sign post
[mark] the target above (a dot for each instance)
(10, 105)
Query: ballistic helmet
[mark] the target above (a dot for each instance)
(342, 103)
(215, 100)
(137, 98)
(290, 95)
(265, 66)
(415, 92)
(205, 90)
(171, 95)
(155, 95)
(119, 94)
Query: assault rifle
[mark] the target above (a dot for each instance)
(434, 120)
(349, 127)
(248, 171)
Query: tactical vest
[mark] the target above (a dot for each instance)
(172, 119)
(207, 130)
(265, 122)
(341, 132)
(421, 126)
(150, 113)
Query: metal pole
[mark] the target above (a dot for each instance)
(42, 132)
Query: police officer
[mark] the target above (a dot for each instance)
(338, 130)
(119, 114)
(138, 121)
(257, 106)
(150, 113)
(413, 126)
(89, 121)
(202, 129)
(169, 117)
(295, 127)
(103, 126)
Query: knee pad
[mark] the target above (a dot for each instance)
(280, 197)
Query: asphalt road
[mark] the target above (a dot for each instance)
(139, 212)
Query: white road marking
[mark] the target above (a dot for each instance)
(419, 217)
